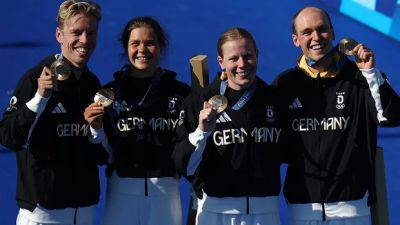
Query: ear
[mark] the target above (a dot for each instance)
(58, 35)
(295, 40)
(221, 62)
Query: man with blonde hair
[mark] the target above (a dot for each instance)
(58, 180)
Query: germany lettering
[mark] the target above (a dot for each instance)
(72, 130)
(258, 134)
(312, 124)
(139, 123)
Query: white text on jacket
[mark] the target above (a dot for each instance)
(139, 123)
(233, 136)
(312, 124)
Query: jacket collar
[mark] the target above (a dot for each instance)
(334, 69)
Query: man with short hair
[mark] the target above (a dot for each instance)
(58, 180)
(334, 107)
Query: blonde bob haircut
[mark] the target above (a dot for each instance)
(71, 8)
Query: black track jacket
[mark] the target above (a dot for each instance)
(242, 156)
(334, 122)
(57, 166)
(142, 137)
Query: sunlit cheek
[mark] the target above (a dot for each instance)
(131, 53)
(229, 66)
(131, 59)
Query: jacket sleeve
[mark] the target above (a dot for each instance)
(18, 118)
(384, 103)
(188, 121)
(288, 136)
(391, 105)
(101, 152)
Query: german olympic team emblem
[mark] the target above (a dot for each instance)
(172, 105)
(12, 105)
(340, 100)
(270, 114)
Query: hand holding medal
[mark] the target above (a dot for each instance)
(218, 103)
(364, 56)
(347, 45)
(58, 71)
(207, 117)
(60, 68)
(103, 98)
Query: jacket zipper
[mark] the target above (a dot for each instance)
(322, 187)
(79, 102)
(322, 182)
(75, 214)
(248, 175)
(247, 205)
(146, 186)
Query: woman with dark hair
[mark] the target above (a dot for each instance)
(139, 127)
(230, 140)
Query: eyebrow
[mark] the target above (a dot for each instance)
(138, 40)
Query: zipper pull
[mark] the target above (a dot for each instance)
(323, 212)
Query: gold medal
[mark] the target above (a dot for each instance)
(61, 69)
(346, 46)
(218, 102)
(105, 97)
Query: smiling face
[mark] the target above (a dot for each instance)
(143, 50)
(239, 59)
(313, 33)
(77, 38)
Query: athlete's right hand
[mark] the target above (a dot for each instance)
(93, 115)
(207, 118)
(47, 82)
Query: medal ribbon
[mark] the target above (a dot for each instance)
(154, 82)
(244, 98)
(74, 70)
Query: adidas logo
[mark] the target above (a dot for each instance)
(295, 104)
(223, 118)
(59, 109)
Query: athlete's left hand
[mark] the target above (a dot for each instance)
(93, 115)
(364, 57)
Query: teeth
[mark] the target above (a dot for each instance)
(317, 47)
(82, 50)
(243, 73)
(142, 58)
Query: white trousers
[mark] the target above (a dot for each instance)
(23, 220)
(355, 212)
(126, 203)
(361, 220)
(66, 216)
(212, 218)
(238, 211)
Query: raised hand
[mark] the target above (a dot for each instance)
(47, 82)
(364, 57)
(93, 115)
(207, 118)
